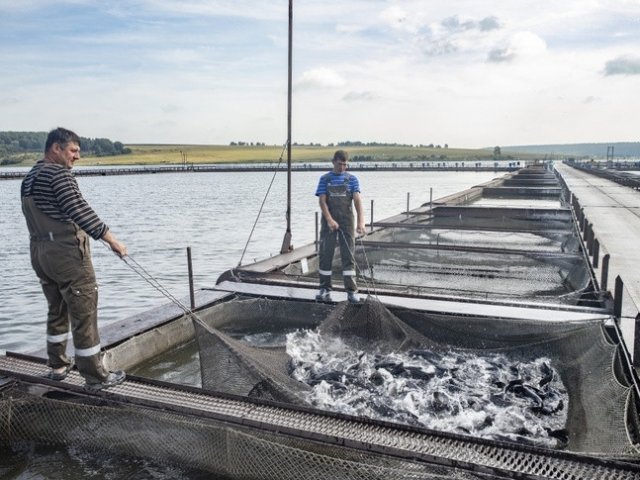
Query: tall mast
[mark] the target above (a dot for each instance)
(286, 242)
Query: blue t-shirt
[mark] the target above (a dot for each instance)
(333, 178)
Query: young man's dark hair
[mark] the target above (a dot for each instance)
(341, 156)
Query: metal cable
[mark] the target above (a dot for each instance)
(155, 283)
(263, 202)
(355, 262)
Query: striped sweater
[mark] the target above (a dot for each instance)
(55, 191)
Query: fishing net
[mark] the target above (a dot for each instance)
(245, 370)
(370, 325)
(564, 371)
(262, 442)
(523, 219)
(226, 451)
(548, 241)
(531, 277)
(498, 253)
(251, 371)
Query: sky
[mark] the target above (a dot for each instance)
(465, 73)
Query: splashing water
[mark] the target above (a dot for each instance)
(489, 396)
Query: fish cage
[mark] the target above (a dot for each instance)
(570, 374)
(506, 254)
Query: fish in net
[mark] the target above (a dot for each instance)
(385, 348)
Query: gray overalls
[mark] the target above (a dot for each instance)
(61, 258)
(339, 200)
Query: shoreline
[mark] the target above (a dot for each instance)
(93, 170)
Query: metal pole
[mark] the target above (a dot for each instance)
(588, 238)
(431, 198)
(636, 342)
(316, 242)
(617, 299)
(604, 275)
(190, 267)
(371, 225)
(286, 242)
(408, 196)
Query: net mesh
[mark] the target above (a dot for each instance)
(435, 237)
(500, 218)
(240, 369)
(600, 415)
(250, 450)
(229, 452)
(531, 277)
(370, 326)
(499, 253)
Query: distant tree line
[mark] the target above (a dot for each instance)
(349, 143)
(247, 144)
(346, 143)
(15, 143)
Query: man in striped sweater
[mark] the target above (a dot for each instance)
(60, 222)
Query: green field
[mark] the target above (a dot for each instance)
(202, 154)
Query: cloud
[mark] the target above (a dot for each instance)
(320, 78)
(520, 45)
(455, 35)
(435, 47)
(626, 65)
(397, 18)
(501, 55)
(7, 101)
(360, 96)
(489, 23)
(453, 24)
(170, 108)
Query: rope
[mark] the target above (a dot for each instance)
(355, 261)
(263, 202)
(155, 283)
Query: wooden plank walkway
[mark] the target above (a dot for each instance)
(613, 210)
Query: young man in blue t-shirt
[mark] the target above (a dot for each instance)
(336, 191)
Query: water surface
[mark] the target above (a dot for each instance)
(159, 216)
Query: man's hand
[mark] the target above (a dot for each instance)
(360, 228)
(117, 246)
(333, 225)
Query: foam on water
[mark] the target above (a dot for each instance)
(490, 396)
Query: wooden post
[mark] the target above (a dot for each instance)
(585, 231)
(604, 274)
(588, 237)
(617, 298)
(191, 292)
(317, 242)
(371, 225)
(596, 252)
(636, 342)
